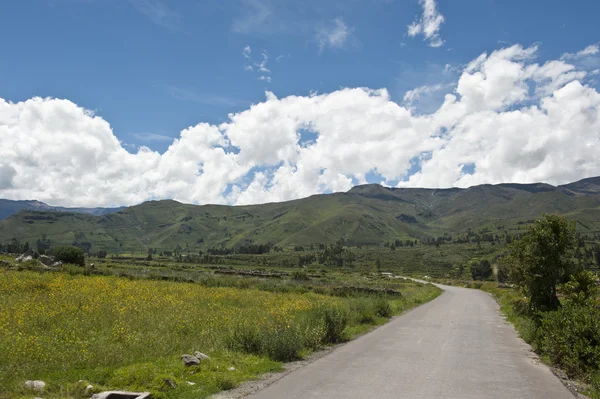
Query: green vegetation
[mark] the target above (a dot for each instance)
(556, 307)
(542, 259)
(128, 331)
(69, 254)
(368, 215)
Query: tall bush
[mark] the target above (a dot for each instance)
(69, 254)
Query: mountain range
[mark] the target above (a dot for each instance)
(365, 215)
(10, 207)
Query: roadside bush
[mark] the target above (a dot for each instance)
(336, 320)
(383, 308)
(365, 310)
(284, 342)
(69, 254)
(247, 338)
(570, 337)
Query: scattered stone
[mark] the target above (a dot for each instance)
(231, 368)
(57, 264)
(191, 383)
(190, 360)
(35, 385)
(46, 260)
(31, 254)
(201, 356)
(122, 395)
(88, 390)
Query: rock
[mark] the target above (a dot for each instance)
(191, 383)
(57, 264)
(231, 368)
(122, 394)
(35, 385)
(88, 390)
(5, 263)
(23, 258)
(26, 256)
(201, 356)
(46, 260)
(190, 360)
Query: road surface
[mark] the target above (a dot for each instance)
(456, 346)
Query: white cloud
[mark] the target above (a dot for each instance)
(260, 67)
(429, 24)
(589, 50)
(334, 35)
(414, 94)
(510, 118)
(246, 52)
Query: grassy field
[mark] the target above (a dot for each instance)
(114, 332)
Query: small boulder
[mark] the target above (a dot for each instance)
(88, 390)
(231, 368)
(35, 385)
(31, 254)
(57, 264)
(189, 360)
(201, 356)
(46, 260)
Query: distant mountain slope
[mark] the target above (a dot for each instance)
(365, 215)
(9, 207)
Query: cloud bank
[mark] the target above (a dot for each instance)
(506, 119)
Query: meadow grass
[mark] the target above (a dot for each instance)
(119, 333)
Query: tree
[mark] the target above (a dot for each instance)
(481, 270)
(543, 258)
(69, 254)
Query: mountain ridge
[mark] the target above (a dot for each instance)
(365, 215)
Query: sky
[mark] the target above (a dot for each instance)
(116, 102)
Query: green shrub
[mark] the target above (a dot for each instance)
(336, 320)
(224, 382)
(69, 254)
(365, 310)
(570, 337)
(281, 342)
(247, 338)
(284, 343)
(300, 275)
(383, 308)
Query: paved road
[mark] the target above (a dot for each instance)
(457, 346)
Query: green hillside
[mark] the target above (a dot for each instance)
(365, 215)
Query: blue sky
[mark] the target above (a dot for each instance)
(152, 68)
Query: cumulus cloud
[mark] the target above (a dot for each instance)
(333, 35)
(508, 119)
(429, 24)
